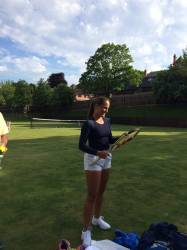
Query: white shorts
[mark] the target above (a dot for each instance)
(94, 163)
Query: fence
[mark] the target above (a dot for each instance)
(143, 98)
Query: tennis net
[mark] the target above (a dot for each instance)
(53, 123)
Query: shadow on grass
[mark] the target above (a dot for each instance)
(40, 183)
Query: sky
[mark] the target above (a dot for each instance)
(40, 37)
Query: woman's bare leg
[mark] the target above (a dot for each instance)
(93, 179)
(99, 199)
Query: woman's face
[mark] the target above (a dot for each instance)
(101, 110)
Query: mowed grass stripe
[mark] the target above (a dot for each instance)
(42, 185)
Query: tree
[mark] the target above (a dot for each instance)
(7, 92)
(2, 100)
(109, 69)
(62, 97)
(170, 86)
(22, 95)
(42, 96)
(56, 79)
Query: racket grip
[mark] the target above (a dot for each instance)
(107, 159)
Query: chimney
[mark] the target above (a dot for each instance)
(174, 59)
(145, 73)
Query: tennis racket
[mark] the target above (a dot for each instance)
(123, 139)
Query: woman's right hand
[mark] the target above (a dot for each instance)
(103, 154)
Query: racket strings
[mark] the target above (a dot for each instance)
(124, 138)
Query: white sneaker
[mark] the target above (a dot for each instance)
(100, 222)
(86, 238)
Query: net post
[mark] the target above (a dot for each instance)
(31, 123)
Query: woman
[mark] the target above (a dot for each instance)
(94, 141)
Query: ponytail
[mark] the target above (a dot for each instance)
(91, 110)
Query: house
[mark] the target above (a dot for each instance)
(79, 95)
(146, 84)
(130, 89)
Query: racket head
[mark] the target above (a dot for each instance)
(124, 138)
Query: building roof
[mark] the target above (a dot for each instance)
(147, 80)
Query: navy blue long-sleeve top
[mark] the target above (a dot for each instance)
(96, 137)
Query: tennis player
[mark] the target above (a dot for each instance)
(95, 139)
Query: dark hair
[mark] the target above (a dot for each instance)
(96, 101)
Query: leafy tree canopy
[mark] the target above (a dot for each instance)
(170, 86)
(42, 94)
(62, 97)
(7, 92)
(23, 94)
(55, 79)
(108, 70)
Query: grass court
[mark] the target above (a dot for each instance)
(42, 184)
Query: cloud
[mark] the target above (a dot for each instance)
(30, 64)
(71, 31)
(180, 3)
(72, 79)
(153, 66)
(3, 68)
(145, 49)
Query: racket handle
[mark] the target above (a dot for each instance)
(107, 159)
